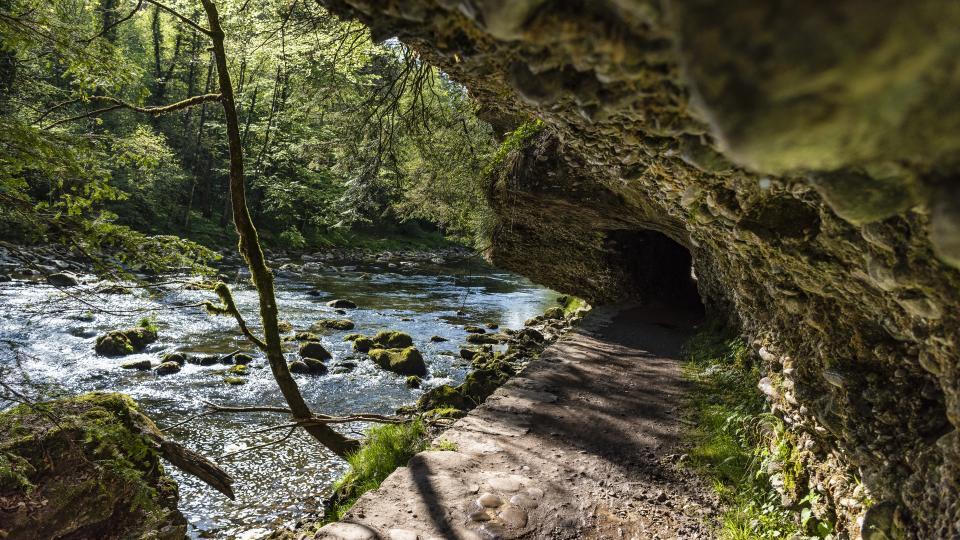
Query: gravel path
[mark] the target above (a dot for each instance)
(582, 444)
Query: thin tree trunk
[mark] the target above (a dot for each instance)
(196, 151)
(250, 249)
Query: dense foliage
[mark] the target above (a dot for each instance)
(339, 133)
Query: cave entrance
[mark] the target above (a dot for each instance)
(655, 268)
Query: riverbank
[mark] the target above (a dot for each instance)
(584, 442)
(49, 336)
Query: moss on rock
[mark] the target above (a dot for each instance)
(391, 339)
(406, 361)
(105, 479)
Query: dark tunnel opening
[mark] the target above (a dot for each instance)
(658, 269)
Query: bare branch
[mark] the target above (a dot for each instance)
(153, 111)
(183, 18)
(115, 24)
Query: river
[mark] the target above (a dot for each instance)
(48, 336)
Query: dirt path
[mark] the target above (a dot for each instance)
(582, 444)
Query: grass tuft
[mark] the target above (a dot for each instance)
(385, 449)
(736, 442)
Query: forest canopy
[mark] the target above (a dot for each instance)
(112, 130)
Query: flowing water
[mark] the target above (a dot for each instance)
(49, 336)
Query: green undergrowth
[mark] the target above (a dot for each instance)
(571, 303)
(385, 449)
(739, 446)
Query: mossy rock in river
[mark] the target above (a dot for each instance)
(362, 344)
(407, 361)
(123, 342)
(389, 339)
(312, 349)
(84, 467)
(489, 339)
(332, 324)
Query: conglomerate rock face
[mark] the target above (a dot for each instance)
(804, 154)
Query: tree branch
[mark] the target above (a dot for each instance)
(183, 18)
(115, 24)
(153, 111)
(229, 307)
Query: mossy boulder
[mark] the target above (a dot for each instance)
(285, 326)
(313, 349)
(362, 344)
(438, 339)
(123, 342)
(93, 472)
(480, 383)
(332, 324)
(315, 367)
(342, 304)
(299, 367)
(413, 381)
(167, 368)
(389, 339)
(63, 279)
(406, 361)
(178, 357)
(242, 359)
(306, 336)
(443, 397)
(234, 381)
(474, 329)
(352, 337)
(553, 313)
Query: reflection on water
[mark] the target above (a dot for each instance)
(49, 336)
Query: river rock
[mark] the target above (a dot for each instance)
(474, 329)
(123, 342)
(242, 359)
(406, 361)
(413, 381)
(342, 304)
(178, 357)
(63, 279)
(362, 344)
(332, 324)
(390, 339)
(438, 339)
(167, 368)
(314, 366)
(141, 365)
(313, 349)
(298, 366)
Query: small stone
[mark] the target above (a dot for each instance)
(504, 484)
(438, 339)
(341, 304)
(524, 501)
(514, 516)
(489, 500)
(142, 365)
(347, 531)
(413, 381)
(480, 515)
(234, 381)
(402, 534)
(534, 493)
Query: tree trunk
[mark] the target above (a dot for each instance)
(250, 249)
